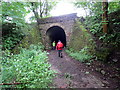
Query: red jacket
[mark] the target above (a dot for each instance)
(59, 46)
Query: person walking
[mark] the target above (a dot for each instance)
(53, 45)
(59, 47)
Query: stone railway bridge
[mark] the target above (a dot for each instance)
(57, 28)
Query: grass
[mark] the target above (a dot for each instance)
(81, 55)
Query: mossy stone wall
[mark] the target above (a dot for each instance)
(33, 36)
(81, 38)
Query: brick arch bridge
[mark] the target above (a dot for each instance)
(57, 28)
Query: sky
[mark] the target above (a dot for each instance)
(62, 8)
(66, 8)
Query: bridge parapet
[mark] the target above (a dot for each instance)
(58, 18)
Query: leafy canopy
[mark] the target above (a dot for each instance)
(14, 12)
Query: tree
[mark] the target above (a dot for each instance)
(105, 16)
(34, 9)
(14, 12)
(13, 22)
(42, 8)
(83, 5)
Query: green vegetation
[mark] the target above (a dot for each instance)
(94, 21)
(82, 55)
(41, 9)
(67, 76)
(13, 22)
(11, 35)
(105, 42)
(23, 57)
(82, 45)
(81, 38)
(29, 67)
(14, 12)
(32, 36)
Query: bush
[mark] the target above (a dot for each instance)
(83, 55)
(29, 67)
(11, 35)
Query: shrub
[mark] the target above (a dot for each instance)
(30, 67)
(83, 55)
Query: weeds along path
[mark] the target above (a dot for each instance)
(72, 73)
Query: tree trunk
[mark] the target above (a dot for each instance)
(41, 9)
(35, 12)
(46, 8)
(105, 16)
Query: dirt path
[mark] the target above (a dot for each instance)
(73, 74)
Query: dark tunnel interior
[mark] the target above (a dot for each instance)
(56, 33)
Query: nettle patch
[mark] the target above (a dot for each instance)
(29, 67)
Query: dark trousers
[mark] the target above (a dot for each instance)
(59, 53)
(53, 47)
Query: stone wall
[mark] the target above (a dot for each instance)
(81, 38)
(66, 22)
(58, 19)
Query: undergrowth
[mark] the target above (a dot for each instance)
(82, 55)
(29, 67)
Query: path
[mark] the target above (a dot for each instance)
(72, 73)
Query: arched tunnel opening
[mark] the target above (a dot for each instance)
(56, 33)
